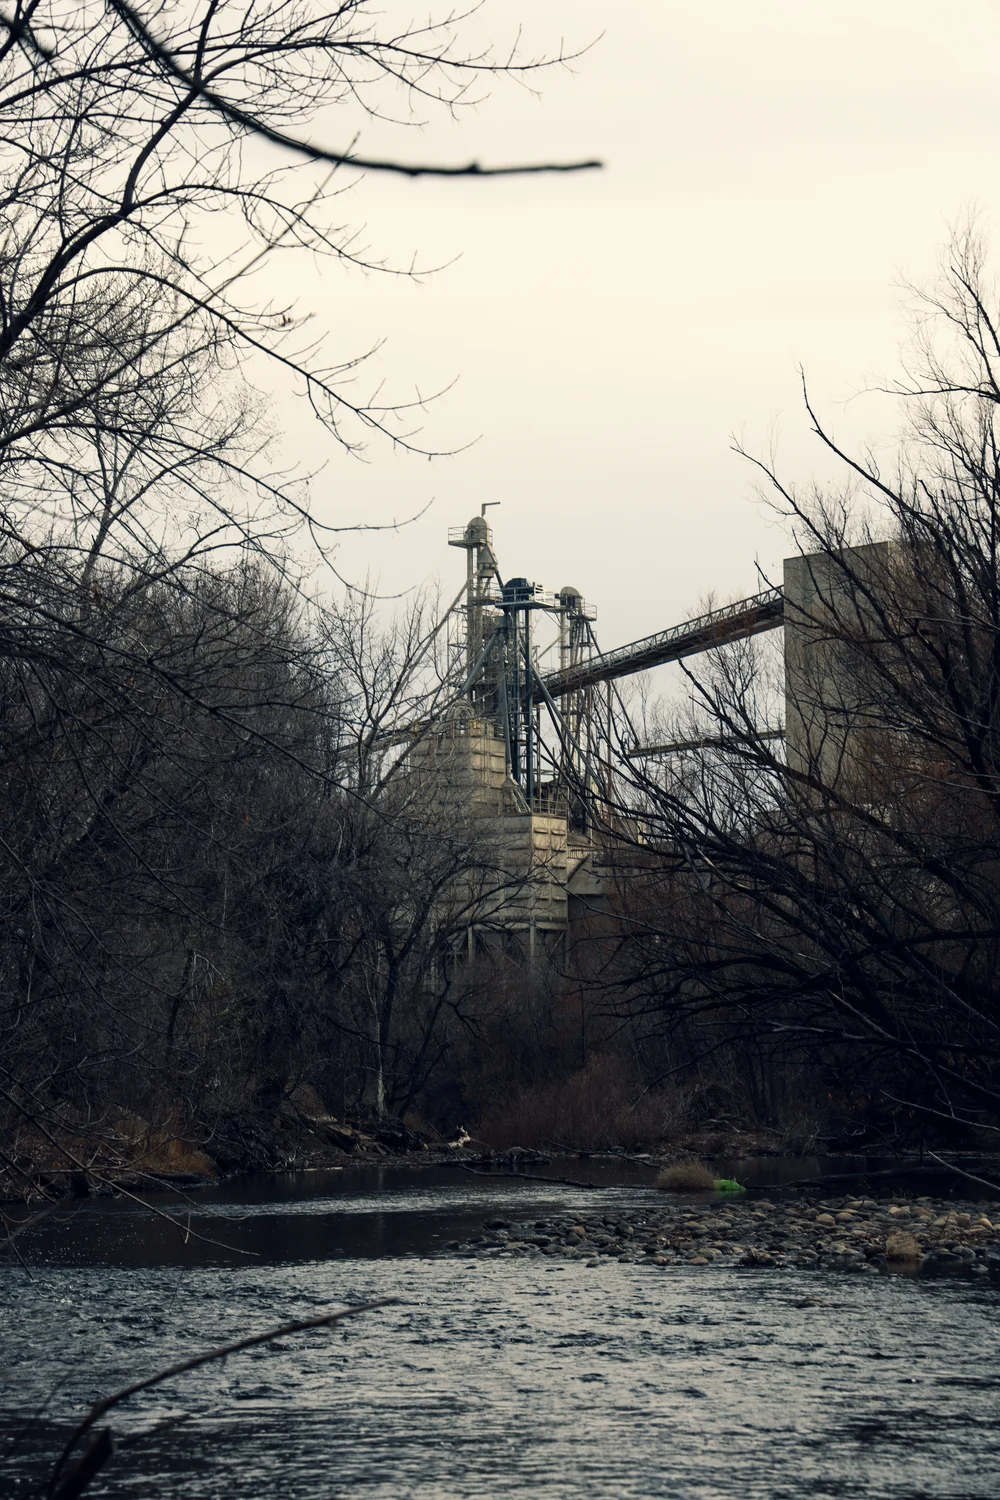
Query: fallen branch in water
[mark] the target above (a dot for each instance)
(99, 1450)
(530, 1177)
(900, 1171)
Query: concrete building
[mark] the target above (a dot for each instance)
(832, 616)
(528, 868)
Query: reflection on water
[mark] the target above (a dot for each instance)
(368, 1213)
(371, 1212)
(552, 1380)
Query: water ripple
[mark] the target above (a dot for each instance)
(526, 1379)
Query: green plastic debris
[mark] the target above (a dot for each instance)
(727, 1185)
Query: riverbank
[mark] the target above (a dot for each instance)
(302, 1139)
(140, 1160)
(860, 1235)
(127, 1152)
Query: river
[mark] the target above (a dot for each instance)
(487, 1378)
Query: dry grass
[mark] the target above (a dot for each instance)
(686, 1177)
(173, 1156)
(901, 1246)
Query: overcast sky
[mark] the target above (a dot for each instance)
(772, 171)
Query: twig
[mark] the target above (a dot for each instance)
(98, 1410)
(950, 1167)
(253, 123)
(7, 1243)
(91, 1461)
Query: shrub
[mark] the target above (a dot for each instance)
(901, 1246)
(686, 1177)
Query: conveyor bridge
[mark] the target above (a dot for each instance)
(734, 622)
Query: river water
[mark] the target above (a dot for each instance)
(487, 1378)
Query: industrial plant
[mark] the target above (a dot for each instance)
(528, 743)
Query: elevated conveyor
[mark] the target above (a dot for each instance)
(735, 622)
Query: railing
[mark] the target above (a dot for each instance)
(735, 622)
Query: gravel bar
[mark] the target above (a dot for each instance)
(861, 1235)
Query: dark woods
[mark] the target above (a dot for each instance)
(214, 880)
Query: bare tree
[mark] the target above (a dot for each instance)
(836, 904)
(181, 776)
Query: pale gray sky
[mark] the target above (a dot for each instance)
(772, 170)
